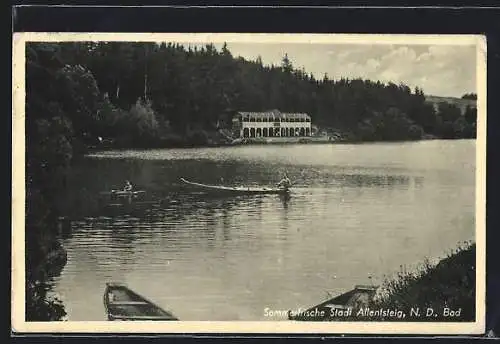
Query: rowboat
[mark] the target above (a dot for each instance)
(122, 193)
(122, 196)
(121, 303)
(338, 307)
(237, 190)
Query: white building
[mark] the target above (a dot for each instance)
(272, 123)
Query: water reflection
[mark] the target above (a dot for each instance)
(213, 257)
(285, 199)
(385, 180)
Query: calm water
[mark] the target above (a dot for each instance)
(355, 211)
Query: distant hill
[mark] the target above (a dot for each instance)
(459, 102)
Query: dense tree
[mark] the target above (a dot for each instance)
(470, 117)
(193, 88)
(392, 125)
(451, 123)
(472, 96)
(142, 119)
(64, 110)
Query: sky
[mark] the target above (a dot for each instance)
(440, 70)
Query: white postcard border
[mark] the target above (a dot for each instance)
(19, 325)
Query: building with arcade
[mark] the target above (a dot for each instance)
(272, 123)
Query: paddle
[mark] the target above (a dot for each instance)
(113, 192)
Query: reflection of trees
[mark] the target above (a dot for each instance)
(137, 208)
(121, 235)
(207, 213)
(214, 210)
(188, 207)
(84, 196)
(160, 178)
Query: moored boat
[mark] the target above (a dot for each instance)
(339, 307)
(121, 303)
(237, 189)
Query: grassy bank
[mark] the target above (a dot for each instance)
(430, 292)
(434, 292)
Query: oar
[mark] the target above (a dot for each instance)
(107, 192)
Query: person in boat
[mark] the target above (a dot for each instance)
(284, 183)
(128, 186)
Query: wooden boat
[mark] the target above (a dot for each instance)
(237, 190)
(122, 193)
(122, 196)
(356, 298)
(121, 303)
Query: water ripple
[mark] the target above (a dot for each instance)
(355, 210)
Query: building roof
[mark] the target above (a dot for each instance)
(275, 113)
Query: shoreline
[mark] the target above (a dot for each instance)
(440, 292)
(94, 149)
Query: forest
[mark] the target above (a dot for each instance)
(161, 95)
(88, 95)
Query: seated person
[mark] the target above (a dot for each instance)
(127, 187)
(284, 183)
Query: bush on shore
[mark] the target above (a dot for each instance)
(449, 284)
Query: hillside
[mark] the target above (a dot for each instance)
(458, 102)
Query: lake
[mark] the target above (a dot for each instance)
(356, 214)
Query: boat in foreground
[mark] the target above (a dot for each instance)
(237, 189)
(121, 303)
(339, 307)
